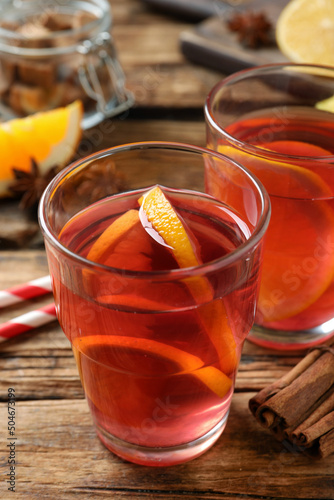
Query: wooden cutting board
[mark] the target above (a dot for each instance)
(211, 43)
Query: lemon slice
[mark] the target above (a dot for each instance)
(305, 31)
(326, 104)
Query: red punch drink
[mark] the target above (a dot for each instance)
(157, 306)
(160, 372)
(297, 290)
(290, 148)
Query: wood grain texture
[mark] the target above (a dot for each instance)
(59, 456)
(115, 132)
(149, 50)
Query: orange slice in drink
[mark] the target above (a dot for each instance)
(298, 261)
(296, 148)
(213, 315)
(111, 349)
(124, 244)
(128, 228)
(280, 178)
(113, 235)
(50, 137)
(165, 221)
(326, 104)
(296, 270)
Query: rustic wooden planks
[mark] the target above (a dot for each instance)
(149, 51)
(59, 456)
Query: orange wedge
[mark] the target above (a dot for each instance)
(165, 221)
(105, 348)
(50, 137)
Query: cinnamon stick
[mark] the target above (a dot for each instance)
(304, 434)
(294, 403)
(286, 380)
(307, 437)
(326, 444)
(300, 406)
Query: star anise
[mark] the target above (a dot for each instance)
(254, 29)
(102, 179)
(29, 186)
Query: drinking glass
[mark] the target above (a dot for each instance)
(278, 121)
(157, 343)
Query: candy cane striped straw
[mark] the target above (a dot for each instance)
(26, 291)
(28, 321)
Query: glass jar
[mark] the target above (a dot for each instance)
(55, 52)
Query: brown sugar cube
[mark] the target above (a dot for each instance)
(82, 18)
(12, 27)
(24, 99)
(62, 40)
(72, 92)
(34, 35)
(55, 21)
(9, 25)
(7, 74)
(37, 73)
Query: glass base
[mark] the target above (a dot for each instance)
(161, 457)
(291, 340)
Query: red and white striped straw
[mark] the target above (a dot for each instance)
(28, 321)
(16, 294)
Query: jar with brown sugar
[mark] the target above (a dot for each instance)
(57, 51)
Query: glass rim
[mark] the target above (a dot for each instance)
(92, 28)
(242, 75)
(179, 273)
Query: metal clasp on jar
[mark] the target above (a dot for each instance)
(102, 77)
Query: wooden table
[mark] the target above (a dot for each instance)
(57, 453)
